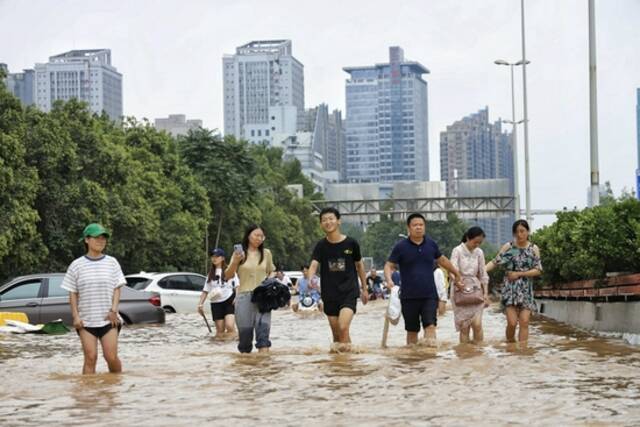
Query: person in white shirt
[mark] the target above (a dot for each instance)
(221, 294)
(283, 278)
(94, 282)
(441, 287)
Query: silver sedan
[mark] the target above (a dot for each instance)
(42, 299)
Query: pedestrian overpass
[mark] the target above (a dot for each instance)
(433, 208)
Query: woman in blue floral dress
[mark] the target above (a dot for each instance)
(521, 260)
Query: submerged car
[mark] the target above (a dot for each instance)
(179, 291)
(42, 299)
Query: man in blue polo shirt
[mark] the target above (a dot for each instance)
(415, 256)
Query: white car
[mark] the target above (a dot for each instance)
(294, 276)
(179, 292)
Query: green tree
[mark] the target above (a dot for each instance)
(379, 239)
(20, 247)
(225, 168)
(130, 178)
(589, 243)
(248, 184)
(292, 225)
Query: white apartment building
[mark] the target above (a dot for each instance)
(83, 74)
(177, 124)
(261, 75)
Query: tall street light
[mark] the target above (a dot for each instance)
(526, 120)
(593, 108)
(514, 135)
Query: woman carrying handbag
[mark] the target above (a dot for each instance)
(471, 298)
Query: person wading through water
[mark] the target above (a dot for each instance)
(222, 295)
(94, 282)
(521, 259)
(340, 262)
(253, 263)
(415, 256)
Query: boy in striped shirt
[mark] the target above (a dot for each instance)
(94, 282)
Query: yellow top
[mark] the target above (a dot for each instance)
(251, 273)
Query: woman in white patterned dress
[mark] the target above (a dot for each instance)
(468, 258)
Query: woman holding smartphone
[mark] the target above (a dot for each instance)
(253, 263)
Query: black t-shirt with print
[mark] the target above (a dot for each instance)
(338, 274)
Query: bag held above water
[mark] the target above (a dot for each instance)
(471, 294)
(271, 295)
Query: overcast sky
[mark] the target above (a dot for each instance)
(170, 54)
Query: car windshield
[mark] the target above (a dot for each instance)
(138, 283)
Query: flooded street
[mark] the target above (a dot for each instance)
(175, 374)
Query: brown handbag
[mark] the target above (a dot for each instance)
(471, 294)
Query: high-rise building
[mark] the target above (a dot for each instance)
(638, 137)
(86, 75)
(261, 75)
(177, 124)
(475, 149)
(387, 121)
(20, 84)
(328, 136)
(300, 147)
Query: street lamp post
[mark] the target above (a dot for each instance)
(526, 121)
(514, 135)
(593, 108)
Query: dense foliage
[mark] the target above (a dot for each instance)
(160, 197)
(588, 244)
(248, 184)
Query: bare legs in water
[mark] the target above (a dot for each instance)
(340, 325)
(517, 317)
(476, 327)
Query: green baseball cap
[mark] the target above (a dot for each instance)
(94, 230)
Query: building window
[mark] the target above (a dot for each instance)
(253, 132)
(259, 132)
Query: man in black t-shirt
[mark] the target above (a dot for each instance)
(340, 262)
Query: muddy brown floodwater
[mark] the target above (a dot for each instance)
(175, 374)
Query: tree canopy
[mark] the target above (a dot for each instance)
(161, 197)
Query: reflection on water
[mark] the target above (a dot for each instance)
(176, 374)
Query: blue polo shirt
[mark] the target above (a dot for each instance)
(416, 267)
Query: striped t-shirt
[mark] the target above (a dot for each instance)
(94, 280)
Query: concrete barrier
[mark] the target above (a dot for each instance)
(599, 316)
(608, 305)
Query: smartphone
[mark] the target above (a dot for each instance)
(238, 248)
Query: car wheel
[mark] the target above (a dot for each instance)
(168, 309)
(125, 319)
